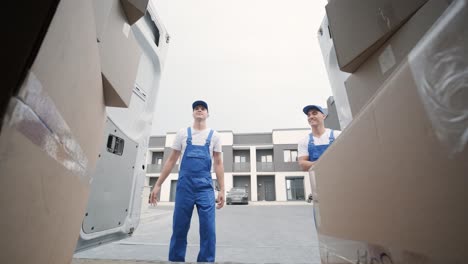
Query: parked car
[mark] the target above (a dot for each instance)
(237, 195)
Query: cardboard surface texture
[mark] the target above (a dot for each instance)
(359, 27)
(102, 9)
(335, 75)
(364, 83)
(67, 67)
(30, 20)
(42, 203)
(119, 52)
(396, 177)
(44, 198)
(395, 185)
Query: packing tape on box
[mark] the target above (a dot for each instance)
(335, 250)
(35, 115)
(439, 64)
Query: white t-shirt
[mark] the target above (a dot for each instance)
(303, 145)
(198, 138)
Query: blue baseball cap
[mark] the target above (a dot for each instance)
(200, 102)
(307, 108)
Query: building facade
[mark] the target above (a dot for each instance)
(264, 163)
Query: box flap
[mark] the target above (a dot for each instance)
(134, 9)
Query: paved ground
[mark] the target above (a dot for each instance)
(276, 233)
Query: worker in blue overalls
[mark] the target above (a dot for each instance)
(312, 146)
(199, 146)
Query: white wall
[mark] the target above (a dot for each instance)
(289, 136)
(170, 137)
(227, 138)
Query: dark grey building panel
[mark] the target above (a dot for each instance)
(243, 166)
(167, 152)
(253, 139)
(228, 158)
(265, 164)
(263, 152)
(155, 166)
(332, 121)
(159, 141)
(242, 152)
(156, 155)
(278, 158)
(266, 188)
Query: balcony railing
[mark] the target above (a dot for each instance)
(153, 168)
(241, 167)
(265, 166)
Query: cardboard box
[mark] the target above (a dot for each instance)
(400, 189)
(401, 180)
(363, 83)
(335, 75)
(134, 9)
(67, 67)
(42, 203)
(119, 52)
(102, 9)
(50, 142)
(31, 20)
(340, 251)
(360, 27)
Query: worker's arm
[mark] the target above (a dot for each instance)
(167, 168)
(219, 170)
(304, 163)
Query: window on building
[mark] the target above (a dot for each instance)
(157, 158)
(295, 188)
(290, 155)
(240, 159)
(267, 158)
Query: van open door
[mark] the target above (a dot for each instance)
(115, 199)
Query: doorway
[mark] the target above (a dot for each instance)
(266, 188)
(295, 188)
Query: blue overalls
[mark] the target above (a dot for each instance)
(194, 187)
(315, 151)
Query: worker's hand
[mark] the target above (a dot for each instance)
(220, 200)
(154, 195)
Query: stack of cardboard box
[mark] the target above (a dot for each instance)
(118, 49)
(52, 130)
(392, 188)
(335, 75)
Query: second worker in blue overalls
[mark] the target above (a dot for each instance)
(199, 146)
(312, 146)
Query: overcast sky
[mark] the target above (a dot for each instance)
(255, 62)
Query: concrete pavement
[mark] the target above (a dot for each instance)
(261, 232)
